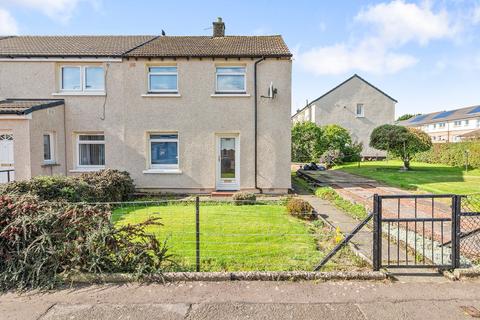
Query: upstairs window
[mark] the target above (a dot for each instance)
(163, 79)
(359, 111)
(164, 151)
(48, 150)
(82, 78)
(230, 80)
(466, 123)
(91, 150)
(441, 125)
(457, 123)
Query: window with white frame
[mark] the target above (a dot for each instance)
(163, 150)
(48, 148)
(230, 79)
(441, 125)
(360, 110)
(163, 79)
(82, 78)
(478, 123)
(466, 123)
(90, 150)
(457, 123)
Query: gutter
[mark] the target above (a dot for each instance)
(255, 106)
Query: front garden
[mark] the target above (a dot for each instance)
(54, 227)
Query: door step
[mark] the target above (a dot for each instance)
(223, 194)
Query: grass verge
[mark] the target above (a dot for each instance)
(434, 178)
(355, 210)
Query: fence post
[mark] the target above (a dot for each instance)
(456, 213)
(377, 237)
(8, 176)
(197, 233)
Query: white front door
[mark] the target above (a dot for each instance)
(6, 157)
(228, 162)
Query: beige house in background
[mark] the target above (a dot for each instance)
(355, 105)
(179, 113)
(448, 126)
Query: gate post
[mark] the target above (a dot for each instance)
(456, 213)
(377, 233)
(197, 234)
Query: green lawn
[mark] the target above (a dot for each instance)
(248, 237)
(435, 178)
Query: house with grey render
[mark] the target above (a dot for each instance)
(449, 125)
(188, 114)
(357, 106)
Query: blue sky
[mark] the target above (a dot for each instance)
(426, 54)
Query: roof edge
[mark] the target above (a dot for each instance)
(50, 103)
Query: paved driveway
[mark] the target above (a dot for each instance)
(250, 300)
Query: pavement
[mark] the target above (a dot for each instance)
(250, 300)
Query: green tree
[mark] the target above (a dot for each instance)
(407, 116)
(307, 142)
(400, 141)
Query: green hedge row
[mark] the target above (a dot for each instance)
(42, 242)
(453, 154)
(103, 186)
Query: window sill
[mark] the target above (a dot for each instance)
(230, 95)
(49, 164)
(357, 116)
(162, 171)
(161, 95)
(87, 169)
(82, 93)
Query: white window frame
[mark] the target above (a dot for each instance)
(163, 166)
(362, 114)
(244, 74)
(467, 123)
(52, 147)
(149, 74)
(441, 125)
(79, 142)
(83, 78)
(457, 123)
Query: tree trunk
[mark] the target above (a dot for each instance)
(406, 164)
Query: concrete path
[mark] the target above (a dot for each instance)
(249, 300)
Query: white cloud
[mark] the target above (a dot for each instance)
(8, 25)
(393, 25)
(400, 22)
(55, 9)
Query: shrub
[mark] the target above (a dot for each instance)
(300, 208)
(452, 154)
(102, 186)
(39, 241)
(108, 185)
(244, 198)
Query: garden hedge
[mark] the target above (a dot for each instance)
(103, 186)
(452, 154)
(41, 241)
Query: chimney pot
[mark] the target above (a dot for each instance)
(218, 28)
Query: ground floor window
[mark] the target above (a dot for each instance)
(91, 150)
(163, 150)
(48, 147)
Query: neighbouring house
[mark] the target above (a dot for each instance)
(448, 126)
(356, 105)
(179, 113)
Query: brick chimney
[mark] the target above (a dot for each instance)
(218, 28)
